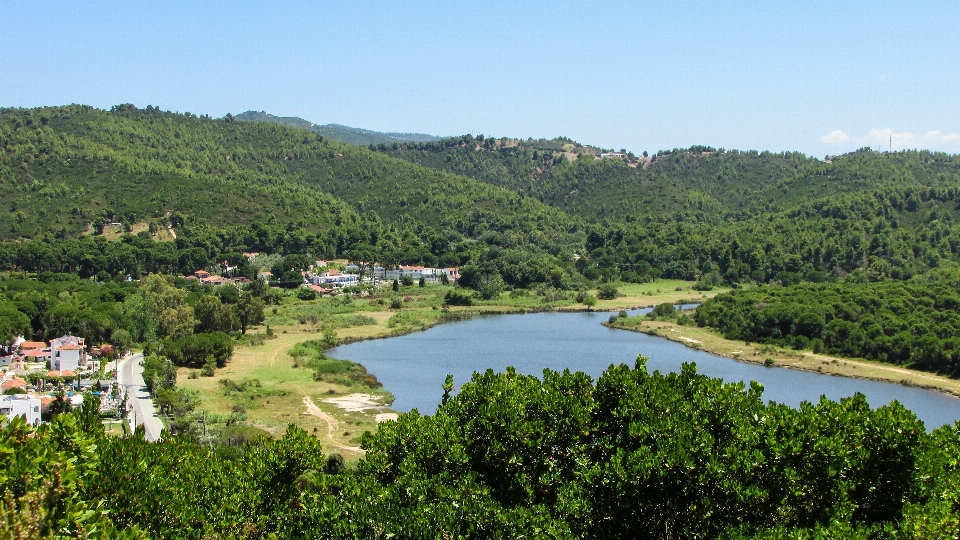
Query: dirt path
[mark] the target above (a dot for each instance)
(273, 358)
(333, 425)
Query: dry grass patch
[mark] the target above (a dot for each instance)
(708, 340)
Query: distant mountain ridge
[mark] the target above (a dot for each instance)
(346, 134)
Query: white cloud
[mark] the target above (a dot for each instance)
(837, 136)
(882, 139)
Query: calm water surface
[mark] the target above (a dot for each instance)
(414, 366)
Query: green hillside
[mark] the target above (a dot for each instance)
(697, 183)
(337, 132)
(229, 186)
(64, 167)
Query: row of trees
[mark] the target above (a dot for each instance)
(630, 455)
(123, 313)
(914, 323)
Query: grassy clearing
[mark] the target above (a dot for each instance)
(638, 295)
(266, 386)
(113, 232)
(710, 341)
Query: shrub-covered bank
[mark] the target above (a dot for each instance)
(632, 454)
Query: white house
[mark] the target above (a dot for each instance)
(416, 272)
(25, 405)
(334, 278)
(67, 353)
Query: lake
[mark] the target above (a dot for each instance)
(414, 366)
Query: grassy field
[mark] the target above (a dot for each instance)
(708, 340)
(639, 295)
(264, 384)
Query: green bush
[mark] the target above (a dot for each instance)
(405, 318)
(306, 293)
(665, 310)
(458, 297)
(607, 291)
(194, 350)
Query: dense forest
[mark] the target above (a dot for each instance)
(694, 184)
(632, 454)
(913, 323)
(720, 215)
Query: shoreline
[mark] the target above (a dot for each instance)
(799, 360)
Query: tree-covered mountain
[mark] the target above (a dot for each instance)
(337, 132)
(63, 168)
(699, 183)
(229, 186)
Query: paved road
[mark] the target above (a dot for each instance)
(130, 376)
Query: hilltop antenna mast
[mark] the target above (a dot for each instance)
(891, 143)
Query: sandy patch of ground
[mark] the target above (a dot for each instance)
(333, 424)
(387, 417)
(356, 402)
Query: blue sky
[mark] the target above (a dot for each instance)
(812, 76)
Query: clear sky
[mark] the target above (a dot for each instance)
(822, 77)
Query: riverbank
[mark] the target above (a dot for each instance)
(709, 341)
(289, 395)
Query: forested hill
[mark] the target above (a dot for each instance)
(700, 182)
(64, 168)
(721, 216)
(347, 134)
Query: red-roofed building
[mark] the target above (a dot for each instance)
(12, 382)
(321, 290)
(67, 353)
(217, 280)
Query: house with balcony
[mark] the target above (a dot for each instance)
(67, 353)
(24, 405)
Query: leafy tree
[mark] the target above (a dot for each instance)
(458, 297)
(490, 286)
(13, 323)
(664, 310)
(196, 350)
(121, 339)
(228, 294)
(607, 291)
(250, 311)
(168, 304)
(213, 315)
(306, 293)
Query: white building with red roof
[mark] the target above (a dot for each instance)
(67, 353)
